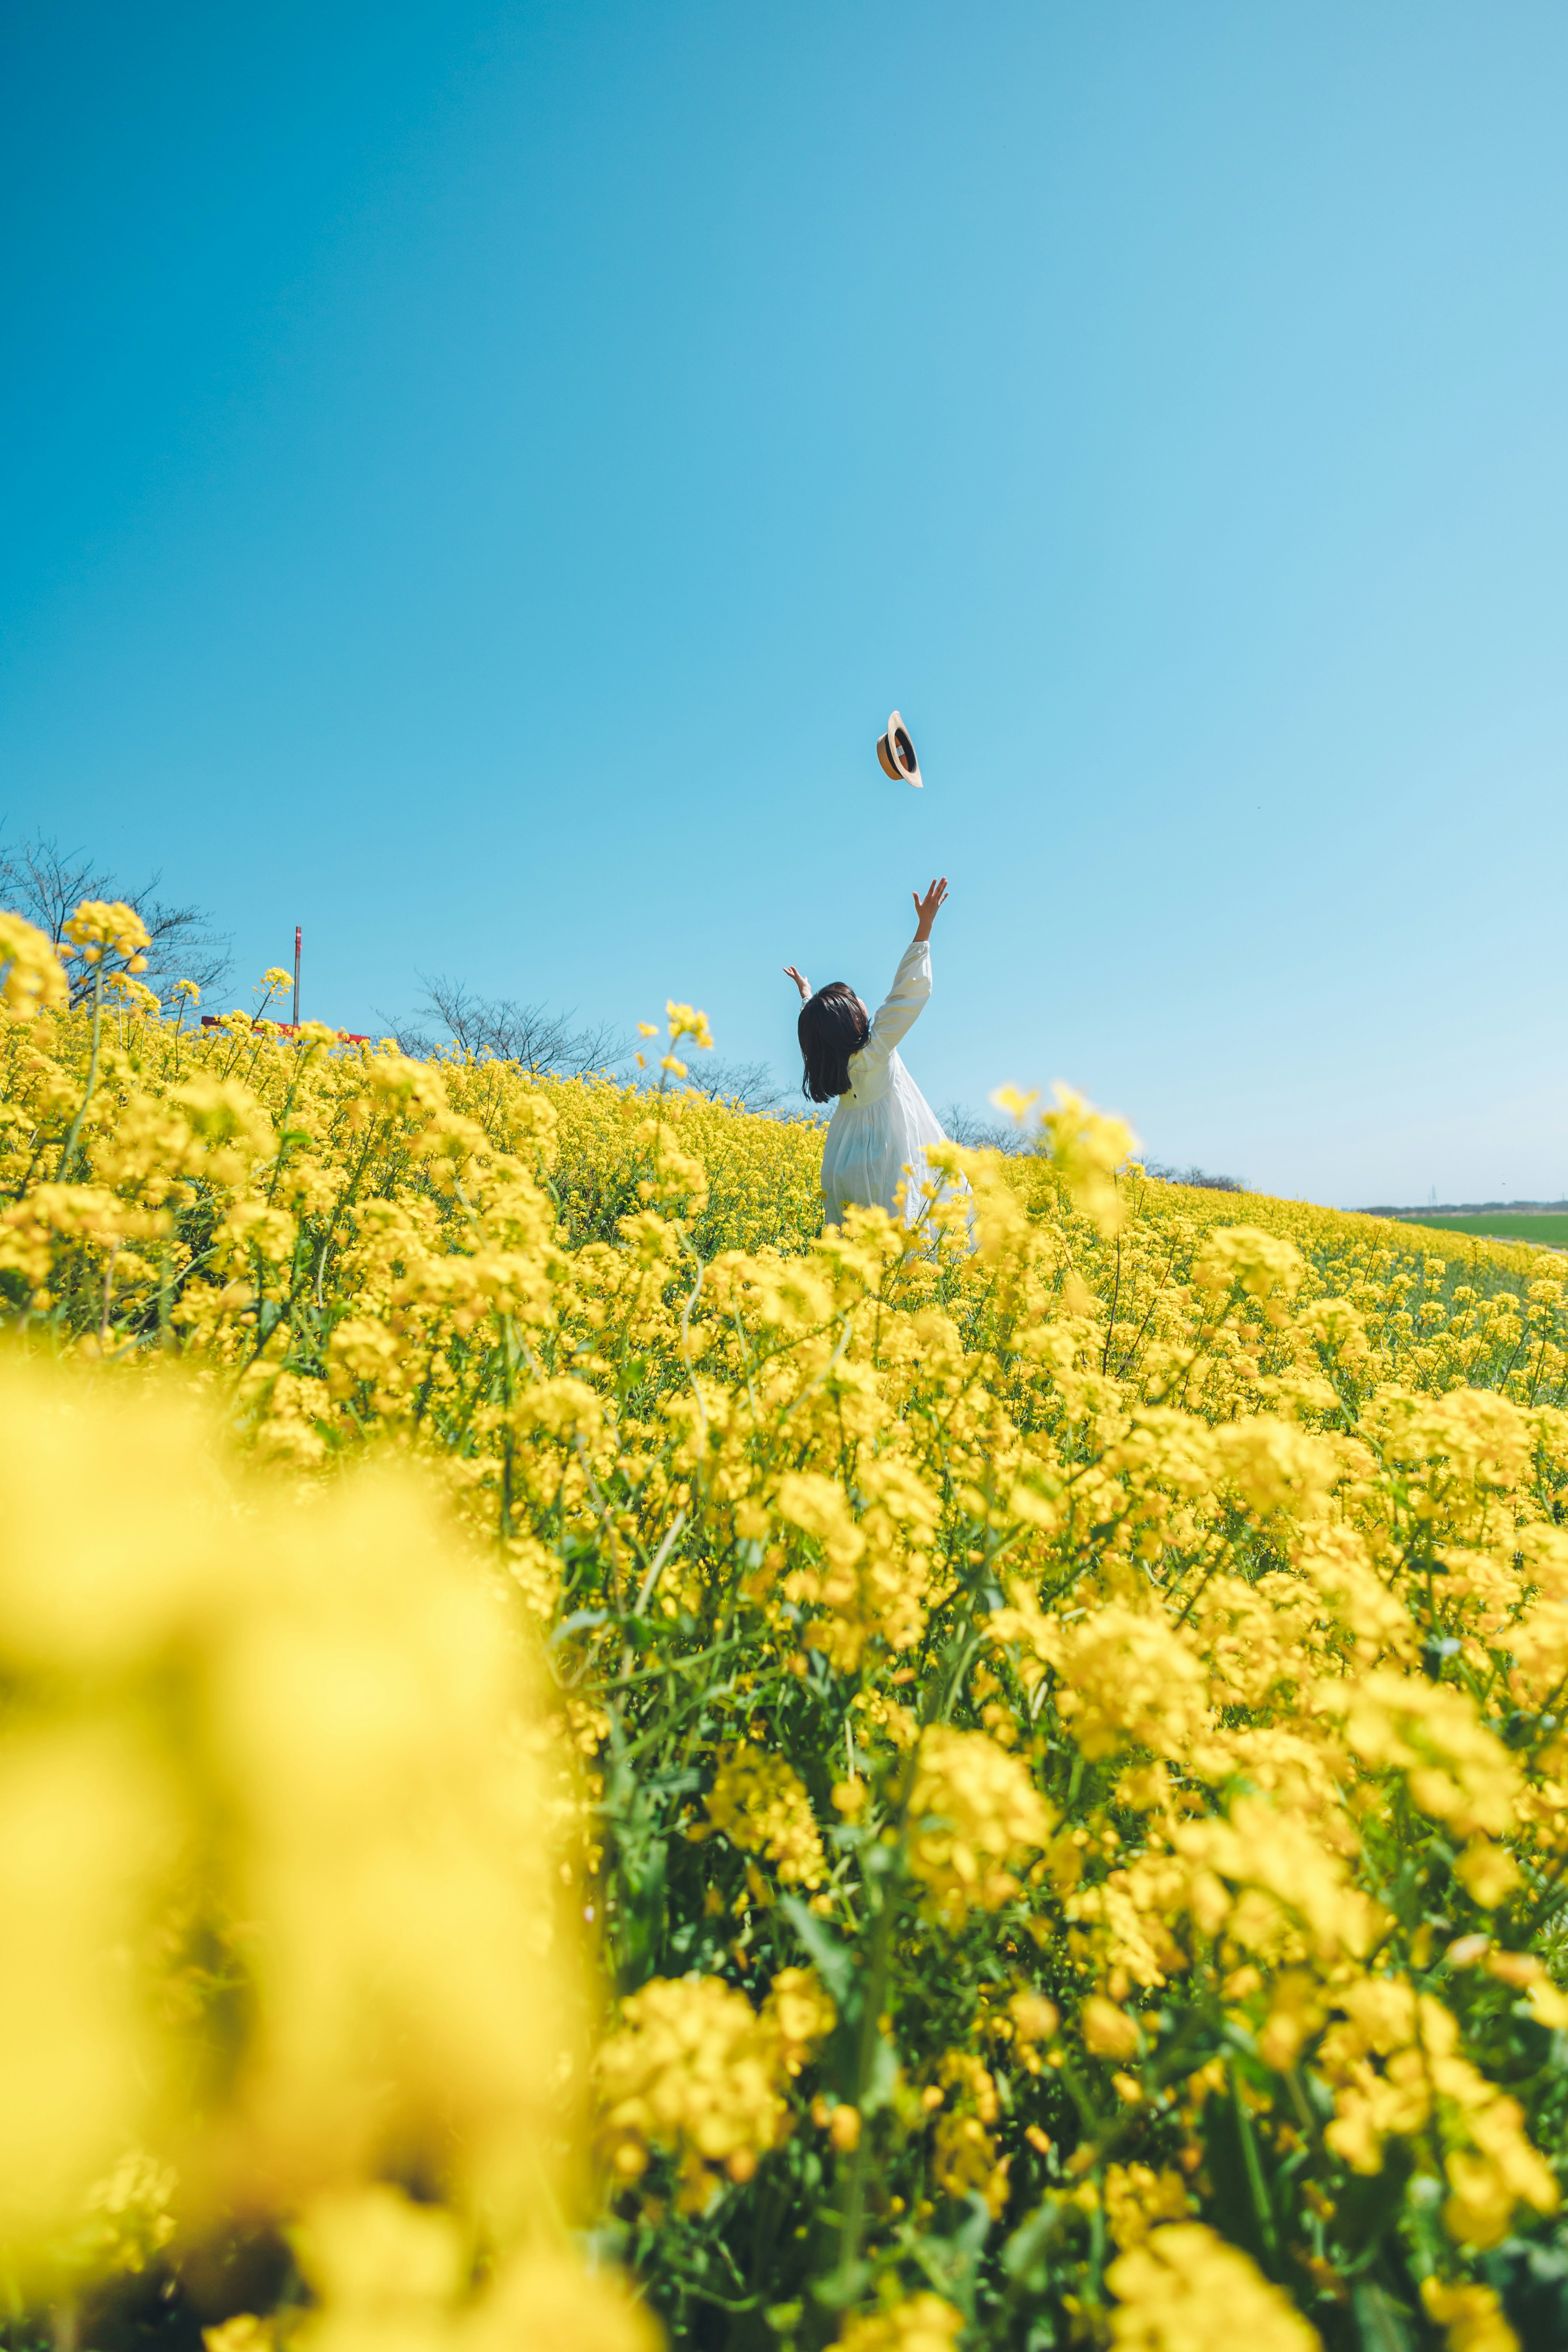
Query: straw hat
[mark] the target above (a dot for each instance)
(897, 753)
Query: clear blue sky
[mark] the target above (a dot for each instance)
(478, 476)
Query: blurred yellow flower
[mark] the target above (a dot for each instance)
(1469, 2316)
(974, 1811)
(1087, 1149)
(101, 928)
(1183, 2289)
(925, 2322)
(31, 980)
(231, 1707)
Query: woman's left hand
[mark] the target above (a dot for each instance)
(800, 981)
(926, 908)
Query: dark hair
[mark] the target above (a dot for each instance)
(832, 1026)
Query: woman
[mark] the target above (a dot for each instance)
(883, 1127)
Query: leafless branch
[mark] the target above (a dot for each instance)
(498, 1029)
(976, 1134)
(750, 1086)
(46, 884)
(1199, 1178)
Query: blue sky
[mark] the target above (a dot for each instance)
(478, 476)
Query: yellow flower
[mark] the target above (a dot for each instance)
(686, 1022)
(1263, 1265)
(1274, 1508)
(974, 1811)
(329, 1681)
(800, 2016)
(1469, 2316)
(1034, 2018)
(544, 2298)
(101, 928)
(31, 980)
(925, 2322)
(387, 2271)
(1107, 2031)
(762, 1807)
(693, 2070)
(1138, 2199)
(1185, 2290)
(1087, 1149)
(1457, 1771)
(964, 2160)
(1016, 1106)
(1487, 1873)
(244, 2333)
(1126, 1675)
(135, 993)
(1296, 2010)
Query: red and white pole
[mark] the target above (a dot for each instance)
(297, 939)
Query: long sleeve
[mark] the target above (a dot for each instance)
(878, 1139)
(904, 1003)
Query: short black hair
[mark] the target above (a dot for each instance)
(833, 1024)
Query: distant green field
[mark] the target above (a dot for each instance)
(1500, 1226)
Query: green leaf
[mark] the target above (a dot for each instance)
(1382, 2325)
(832, 1959)
(1026, 2255)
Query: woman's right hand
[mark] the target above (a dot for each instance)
(800, 981)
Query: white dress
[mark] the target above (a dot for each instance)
(884, 1124)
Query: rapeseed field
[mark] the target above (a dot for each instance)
(588, 1764)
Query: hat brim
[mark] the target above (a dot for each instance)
(893, 764)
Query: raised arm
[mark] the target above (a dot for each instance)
(904, 1003)
(800, 981)
(906, 1000)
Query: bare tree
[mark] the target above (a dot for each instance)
(750, 1086)
(46, 884)
(964, 1126)
(498, 1029)
(1199, 1178)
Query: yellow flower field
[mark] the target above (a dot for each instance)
(590, 1762)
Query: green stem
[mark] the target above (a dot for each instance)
(865, 2059)
(69, 1154)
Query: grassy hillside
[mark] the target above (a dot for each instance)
(1547, 1226)
(1052, 1734)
